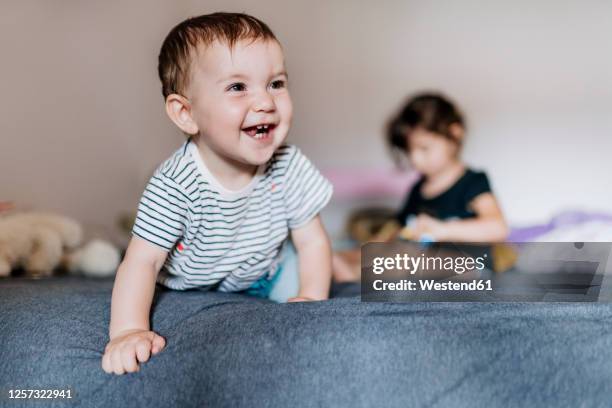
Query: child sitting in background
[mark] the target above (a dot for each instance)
(450, 202)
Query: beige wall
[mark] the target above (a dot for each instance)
(82, 123)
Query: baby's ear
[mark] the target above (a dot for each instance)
(457, 131)
(178, 109)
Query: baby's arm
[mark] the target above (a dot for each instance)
(488, 225)
(131, 340)
(314, 256)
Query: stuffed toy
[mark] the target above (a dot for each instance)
(367, 223)
(39, 243)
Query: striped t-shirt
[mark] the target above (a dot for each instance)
(226, 239)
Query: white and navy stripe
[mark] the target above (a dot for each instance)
(222, 238)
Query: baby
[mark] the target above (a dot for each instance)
(216, 214)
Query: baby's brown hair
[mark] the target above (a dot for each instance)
(182, 43)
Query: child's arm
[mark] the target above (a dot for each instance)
(131, 340)
(314, 255)
(488, 225)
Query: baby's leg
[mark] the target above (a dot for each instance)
(346, 266)
(287, 284)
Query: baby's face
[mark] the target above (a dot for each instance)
(240, 101)
(429, 152)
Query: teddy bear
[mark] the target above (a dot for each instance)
(40, 242)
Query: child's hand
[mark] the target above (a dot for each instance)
(426, 224)
(124, 352)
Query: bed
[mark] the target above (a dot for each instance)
(229, 350)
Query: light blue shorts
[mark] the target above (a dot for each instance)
(284, 283)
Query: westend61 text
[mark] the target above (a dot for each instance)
(429, 284)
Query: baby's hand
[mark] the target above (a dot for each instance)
(123, 353)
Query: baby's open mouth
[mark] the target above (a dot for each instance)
(259, 131)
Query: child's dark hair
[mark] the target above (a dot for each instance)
(182, 42)
(429, 111)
